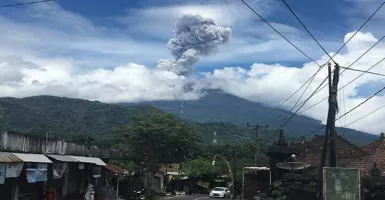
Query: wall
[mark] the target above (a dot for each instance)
(18, 142)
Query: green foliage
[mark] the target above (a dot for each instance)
(158, 138)
(200, 168)
(382, 135)
(375, 172)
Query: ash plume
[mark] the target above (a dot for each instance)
(194, 36)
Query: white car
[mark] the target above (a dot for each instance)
(220, 192)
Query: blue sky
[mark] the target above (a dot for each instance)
(109, 50)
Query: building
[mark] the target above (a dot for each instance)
(311, 151)
(30, 166)
(375, 155)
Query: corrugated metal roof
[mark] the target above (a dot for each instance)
(96, 161)
(115, 169)
(63, 158)
(6, 157)
(35, 158)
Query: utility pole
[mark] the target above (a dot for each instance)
(329, 140)
(334, 105)
(234, 168)
(256, 145)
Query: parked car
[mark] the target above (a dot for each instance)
(220, 192)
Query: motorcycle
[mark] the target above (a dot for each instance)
(139, 195)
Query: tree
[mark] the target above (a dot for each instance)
(200, 168)
(151, 140)
(382, 135)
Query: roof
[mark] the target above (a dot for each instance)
(346, 151)
(115, 169)
(6, 157)
(34, 158)
(366, 163)
(96, 161)
(63, 158)
(374, 145)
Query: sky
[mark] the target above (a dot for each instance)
(131, 51)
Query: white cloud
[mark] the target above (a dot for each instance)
(47, 50)
(271, 84)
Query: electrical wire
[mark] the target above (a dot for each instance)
(345, 43)
(279, 33)
(239, 136)
(383, 106)
(358, 70)
(294, 114)
(303, 25)
(346, 113)
(22, 4)
(360, 104)
(345, 85)
(346, 68)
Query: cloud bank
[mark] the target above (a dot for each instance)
(76, 59)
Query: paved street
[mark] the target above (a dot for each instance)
(190, 197)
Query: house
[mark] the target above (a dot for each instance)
(375, 155)
(311, 151)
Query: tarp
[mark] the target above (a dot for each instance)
(14, 170)
(62, 158)
(59, 168)
(3, 167)
(36, 173)
(96, 161)
(33, 158)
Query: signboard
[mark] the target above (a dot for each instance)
(341, 183)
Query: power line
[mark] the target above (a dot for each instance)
(383, 106)
(346, 68)
(346, 113)
(239, 136)
(351, 110)
(303, 25)
(291, 110)
(271, 26)
(306, 55)
(345, 85)
(315, 91)
(358, 70)
(26, 3)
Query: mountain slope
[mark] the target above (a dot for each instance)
(218, 106)
(74, 119)
(64, 116)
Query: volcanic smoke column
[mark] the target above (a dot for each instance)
(193, 36)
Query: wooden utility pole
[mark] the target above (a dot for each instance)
(329, 140)
(234, 167)
(333, 103)
(256, 145)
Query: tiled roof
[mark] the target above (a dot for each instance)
(346, 152)
(374, 145)
(366, 163)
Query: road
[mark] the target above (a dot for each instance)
(191, 197)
